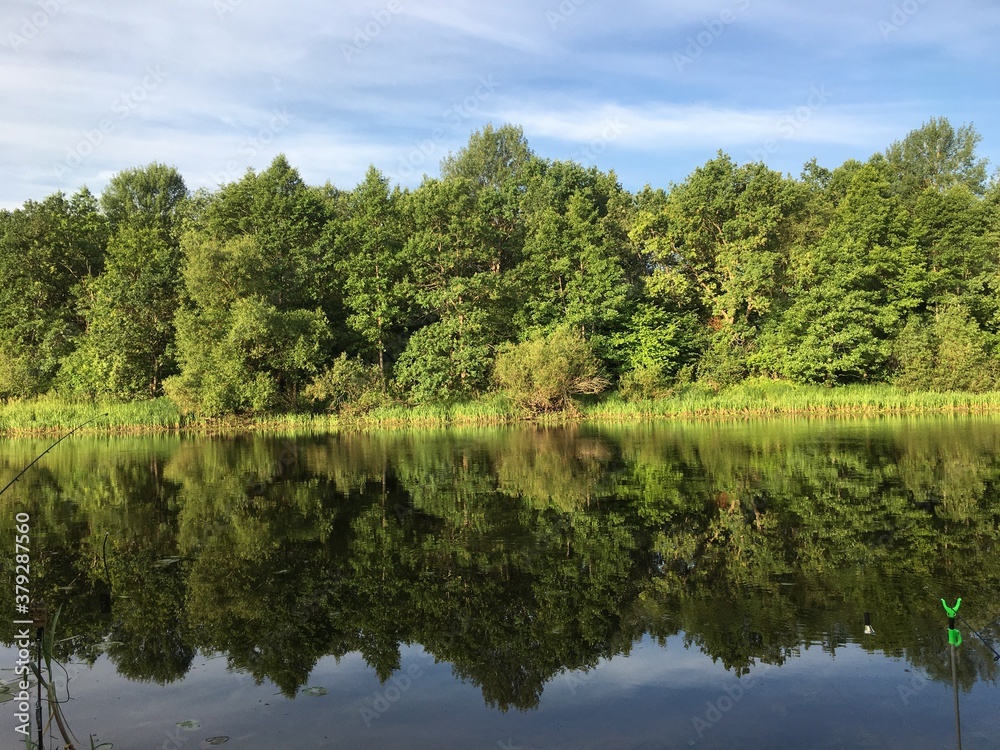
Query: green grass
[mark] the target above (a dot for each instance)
(751, 398)
(49, 414)
(766, 397)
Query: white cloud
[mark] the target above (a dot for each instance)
(227, 72)
(660, 127)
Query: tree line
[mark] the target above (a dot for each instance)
(507, 272)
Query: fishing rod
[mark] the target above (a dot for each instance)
(39, 633)
(996, 656)
(40, 455)
(954, 641)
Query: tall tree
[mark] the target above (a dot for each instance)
(458, 291)
(370, 264)
(939, 156)
(719, 247)
(250, 332)
(951, 231)
(723, 232)
(48, 251)
(863, 280)
(494, 159)
(579, 267)
(496, 167)
(147, 197)
(128, 347)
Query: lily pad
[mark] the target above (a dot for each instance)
(188, 726)
(7, 688)
(315, 692)
(220, 740)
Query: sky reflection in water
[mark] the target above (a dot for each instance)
(648, 587)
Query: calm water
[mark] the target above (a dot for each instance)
(667, 586)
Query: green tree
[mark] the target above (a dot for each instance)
(250, 332)
(951, 231)
(718, 246)
(462, 296)
(128, 347)
(939, 156)
(149, 197)
(863, 280)
(658, 344)
(48, 251)
(579, 268)
(721, 232)
(371, 266)
(949, 352)
(495, 159)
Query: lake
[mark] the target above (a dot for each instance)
(667, 585)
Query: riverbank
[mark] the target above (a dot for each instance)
(749, 399)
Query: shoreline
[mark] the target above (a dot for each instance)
(44, 417)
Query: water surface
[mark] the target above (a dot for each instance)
(655, 586)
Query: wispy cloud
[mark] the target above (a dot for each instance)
(660, 127)
(229, 71)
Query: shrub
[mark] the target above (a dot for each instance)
(947, 353)
(544, 373)
(346, 386)
(441, 363)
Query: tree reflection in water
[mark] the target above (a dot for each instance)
(516, 555)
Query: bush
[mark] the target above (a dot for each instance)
(441, 364)
(948, 353)
(645, 382)
(18, 377)
(346, 386)
(543, 374)
(724, 360)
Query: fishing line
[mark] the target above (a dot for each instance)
(996, 656)
(39, 456)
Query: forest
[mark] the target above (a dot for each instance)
(507, 274)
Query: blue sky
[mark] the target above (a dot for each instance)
(650, 90)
